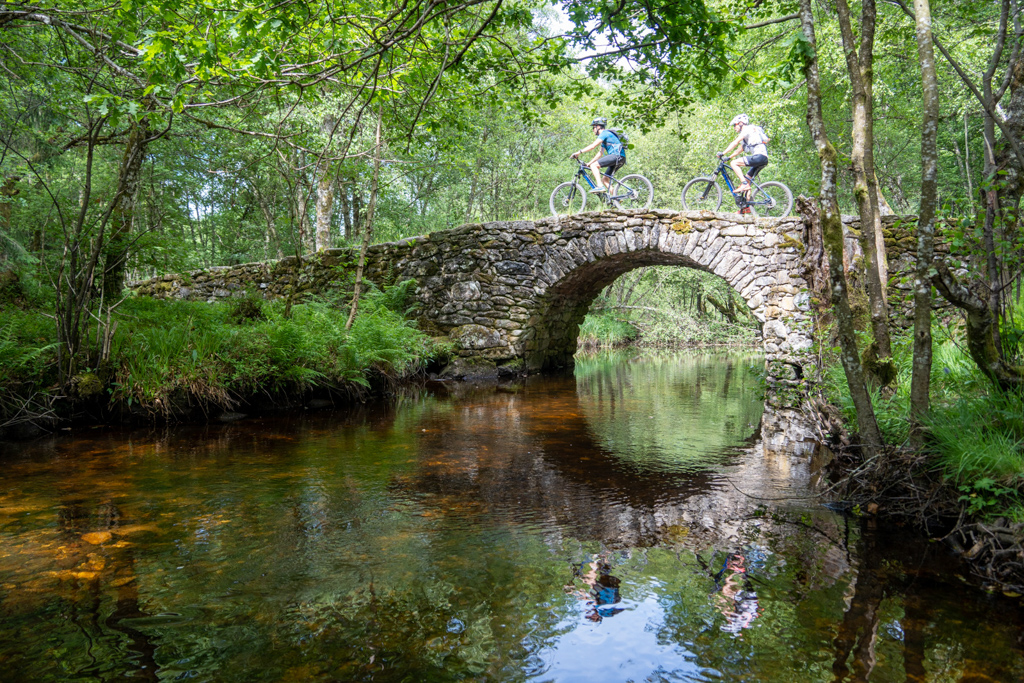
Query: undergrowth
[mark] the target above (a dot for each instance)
(605, 330)
(167, 354)
(975, 432)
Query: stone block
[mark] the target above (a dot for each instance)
(630, 238)
(465, 291)
(735, 231)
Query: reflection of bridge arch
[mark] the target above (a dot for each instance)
(532, 454)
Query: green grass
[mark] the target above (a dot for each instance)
(975, 433)
(166, 354)
(606, 330)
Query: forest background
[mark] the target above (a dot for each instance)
(140, 139)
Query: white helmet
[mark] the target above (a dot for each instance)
(740, 118)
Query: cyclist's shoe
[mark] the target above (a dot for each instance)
(598, 190)
(745, 209)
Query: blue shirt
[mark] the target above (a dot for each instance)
(611, 144)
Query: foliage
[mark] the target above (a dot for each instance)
(975, 432)
(169, 354)
(663, 306)
(606, 330)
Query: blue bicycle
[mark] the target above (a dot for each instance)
(629, 192)
(770, 200)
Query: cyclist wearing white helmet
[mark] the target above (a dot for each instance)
(614, 156)
(754, 143)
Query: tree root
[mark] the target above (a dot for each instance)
(900, 485)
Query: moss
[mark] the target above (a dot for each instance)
(881, 373)
(682, 226)
(788, 241)
(86, 384)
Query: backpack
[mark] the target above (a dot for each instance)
(764, 136)
(621, 135)
(764, 139)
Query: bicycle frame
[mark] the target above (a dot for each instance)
(723, 170)
(582, 172)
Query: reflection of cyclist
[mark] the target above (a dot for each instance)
(604, 589)
(614, 156)
(754, 143)
(738, 601)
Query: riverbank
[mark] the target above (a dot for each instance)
(964, 486)
(179, 360)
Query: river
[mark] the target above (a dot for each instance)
(643, 519)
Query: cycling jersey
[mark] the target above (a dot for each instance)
(754, 140)
(611, 144)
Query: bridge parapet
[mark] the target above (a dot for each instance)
(512, 294)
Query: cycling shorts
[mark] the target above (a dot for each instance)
(756, 162)
(613, 162)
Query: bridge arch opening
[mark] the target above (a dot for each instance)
(668, 306)
(571, 299)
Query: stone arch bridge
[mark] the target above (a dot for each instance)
(511, 295)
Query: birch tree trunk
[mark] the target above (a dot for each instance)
(324, 210)
(921, 380)
(129, 180)
(324, 192)
(367, 229)
(832, 233)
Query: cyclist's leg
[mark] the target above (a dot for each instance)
(755, 163)
(599, 185)
(609, 162)
(738, 165)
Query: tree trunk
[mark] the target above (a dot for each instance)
(832, 234)
(272, 241)
(981, 323)
(129, 179)
(302, 218)
(860, 68)
(346, 215)
(324, 191)
(368, 230)
(357, 209)
(324, 209)
(921, 380)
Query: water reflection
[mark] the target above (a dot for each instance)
(737, 599)
(642, 521)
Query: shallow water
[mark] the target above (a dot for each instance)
(639, 521)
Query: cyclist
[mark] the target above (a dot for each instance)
(754, 143)
(614, 156)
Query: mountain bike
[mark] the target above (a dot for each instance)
(629, 192)
(771, 199)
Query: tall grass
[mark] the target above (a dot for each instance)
(166, 354)
(605, 330)
(975, 432)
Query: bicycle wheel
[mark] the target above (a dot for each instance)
(702, 194)
(633, 192)
(772, 200)
(568, 199)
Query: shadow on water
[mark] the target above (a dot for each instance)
(644, 519)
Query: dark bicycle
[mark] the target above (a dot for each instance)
(771, 199)
(629, 192)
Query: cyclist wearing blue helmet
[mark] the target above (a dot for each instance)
(613, 157)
